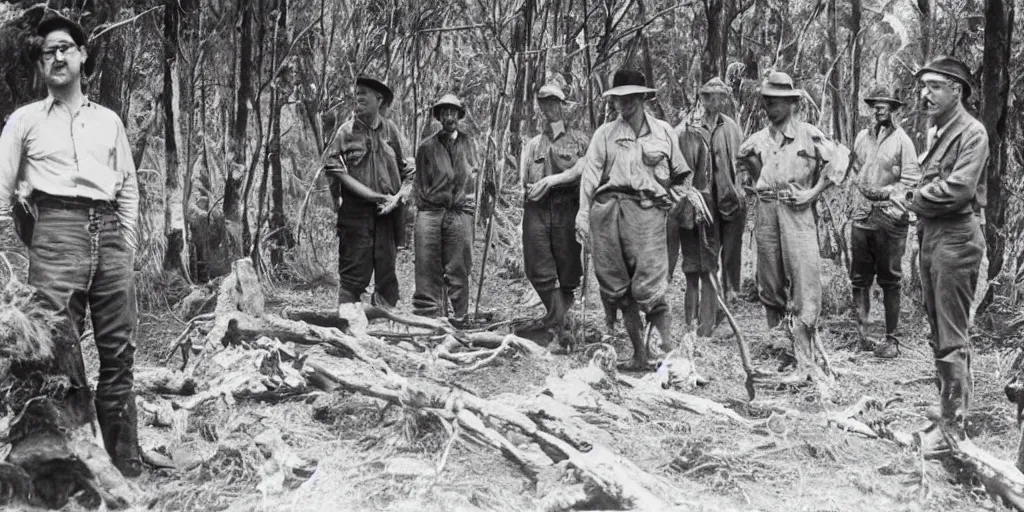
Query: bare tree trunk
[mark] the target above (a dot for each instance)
(520, 40)
(924, 12)
(833, 78)
(855, 6)
(174, 214)
(239, 128)
(995, 88)
(712, 62)
(278, 225)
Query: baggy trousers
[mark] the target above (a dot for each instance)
(444, 256)
(367, 248)
(951, 252)
(876, 253)
(788, 264)
(78, 258)
(630, 252)
(551, 253)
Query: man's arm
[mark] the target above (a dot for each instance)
(952, 193)
(591, 167)
(526, 159)
(128, 196)
(335, 167)
(748, 158)
(405, 170)
(910, 169)
(10, 159)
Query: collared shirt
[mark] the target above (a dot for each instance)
(73, 155)
(884, 158)
(557, 149)
(649, 165)
(798, 154)
(371, 154)
(445, 164)
(710, 149)
(953, 170)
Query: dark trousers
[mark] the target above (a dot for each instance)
(79, 258)
(551, 253)
(951, 251)
(731, 235)
(444, 256)
(877, 253)
(367, 248)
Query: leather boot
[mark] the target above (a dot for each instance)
(773, 316)
(956, 385)
(556, 312)
(891, 347)
(119, 424)
(803, 347)
(862, 308)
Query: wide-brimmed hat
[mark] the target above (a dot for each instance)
(882, 94)
(627, 82)
(715, 86)
(448, 100)
(77, 33)
(551, 91)
(780, 85)
(379, 87)
(951, 67)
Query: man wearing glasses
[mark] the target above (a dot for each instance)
(950, 202)
(77, 205)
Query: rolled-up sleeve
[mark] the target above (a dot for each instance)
(10, 158)
(952, 193)
(128, 195)
(835, 157)
(526, 158)
(748, 158)
(591, 167)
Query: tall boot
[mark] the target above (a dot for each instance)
(956, 385)
(890, 348)
(556, 311)
(803, 347)
(773, 316)
(691, 299)
(119, 426)
(862, 307)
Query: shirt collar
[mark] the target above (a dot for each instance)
(50, 101)
(377, 123)
(625, 127)
(788, 130)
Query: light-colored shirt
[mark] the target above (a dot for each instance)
(650, 165)
(71, 155)
(884, 158)
(798, 155)
(554, 151)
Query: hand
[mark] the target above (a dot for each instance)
(538, 190)
(874, 193)
(583, 233)
(701, 211)
(799, 199)
(390, 203)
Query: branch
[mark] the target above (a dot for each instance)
(103, 29)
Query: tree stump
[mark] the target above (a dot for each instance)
(55, 449)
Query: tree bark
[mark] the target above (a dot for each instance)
(833, 77)
(281, 236)
(716, 47)
(924, 16)
(855, 6)
(239, 127)
(520, 43)
(995, 88)
(174, 212)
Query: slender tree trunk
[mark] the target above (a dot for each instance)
(713, 57)
(855, 6)
(236, 169)
(278, 224)
(924, 14)
(520, 41)
(113, 55)
(174, 216)
(995, 88)
(833, 78)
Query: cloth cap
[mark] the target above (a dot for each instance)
(549, 91)
(951, 67)
(627, 82)
(780, 85)
(377, 86)
(448, 100)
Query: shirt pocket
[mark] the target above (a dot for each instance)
(655, 157)
(563, 158)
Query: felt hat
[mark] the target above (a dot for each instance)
(715, 86)
(551, 91)
(77, 33)
(951, 67)
(882, 94)
(627, 82)
(780, 85)
(377, 86)
(448, 100)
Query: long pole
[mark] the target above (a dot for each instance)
(483, 264)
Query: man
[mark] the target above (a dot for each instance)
(950, 202)
(550, 180)
(709, 144)
(792, 163)
(370, 178)
(632, 175)
(446, 165)
(78, 180)
(885, 165)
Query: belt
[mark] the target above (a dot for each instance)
(772, 194)
(619, 195)
(42, 199)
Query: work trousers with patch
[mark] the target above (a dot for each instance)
(877, 254)
(731, 236)
(630, 252)
(788, 265)
(444, 257)
(951, 252)
(367, 248)
(551, 253)
(78, 257)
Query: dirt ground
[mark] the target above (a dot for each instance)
(375, 458)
